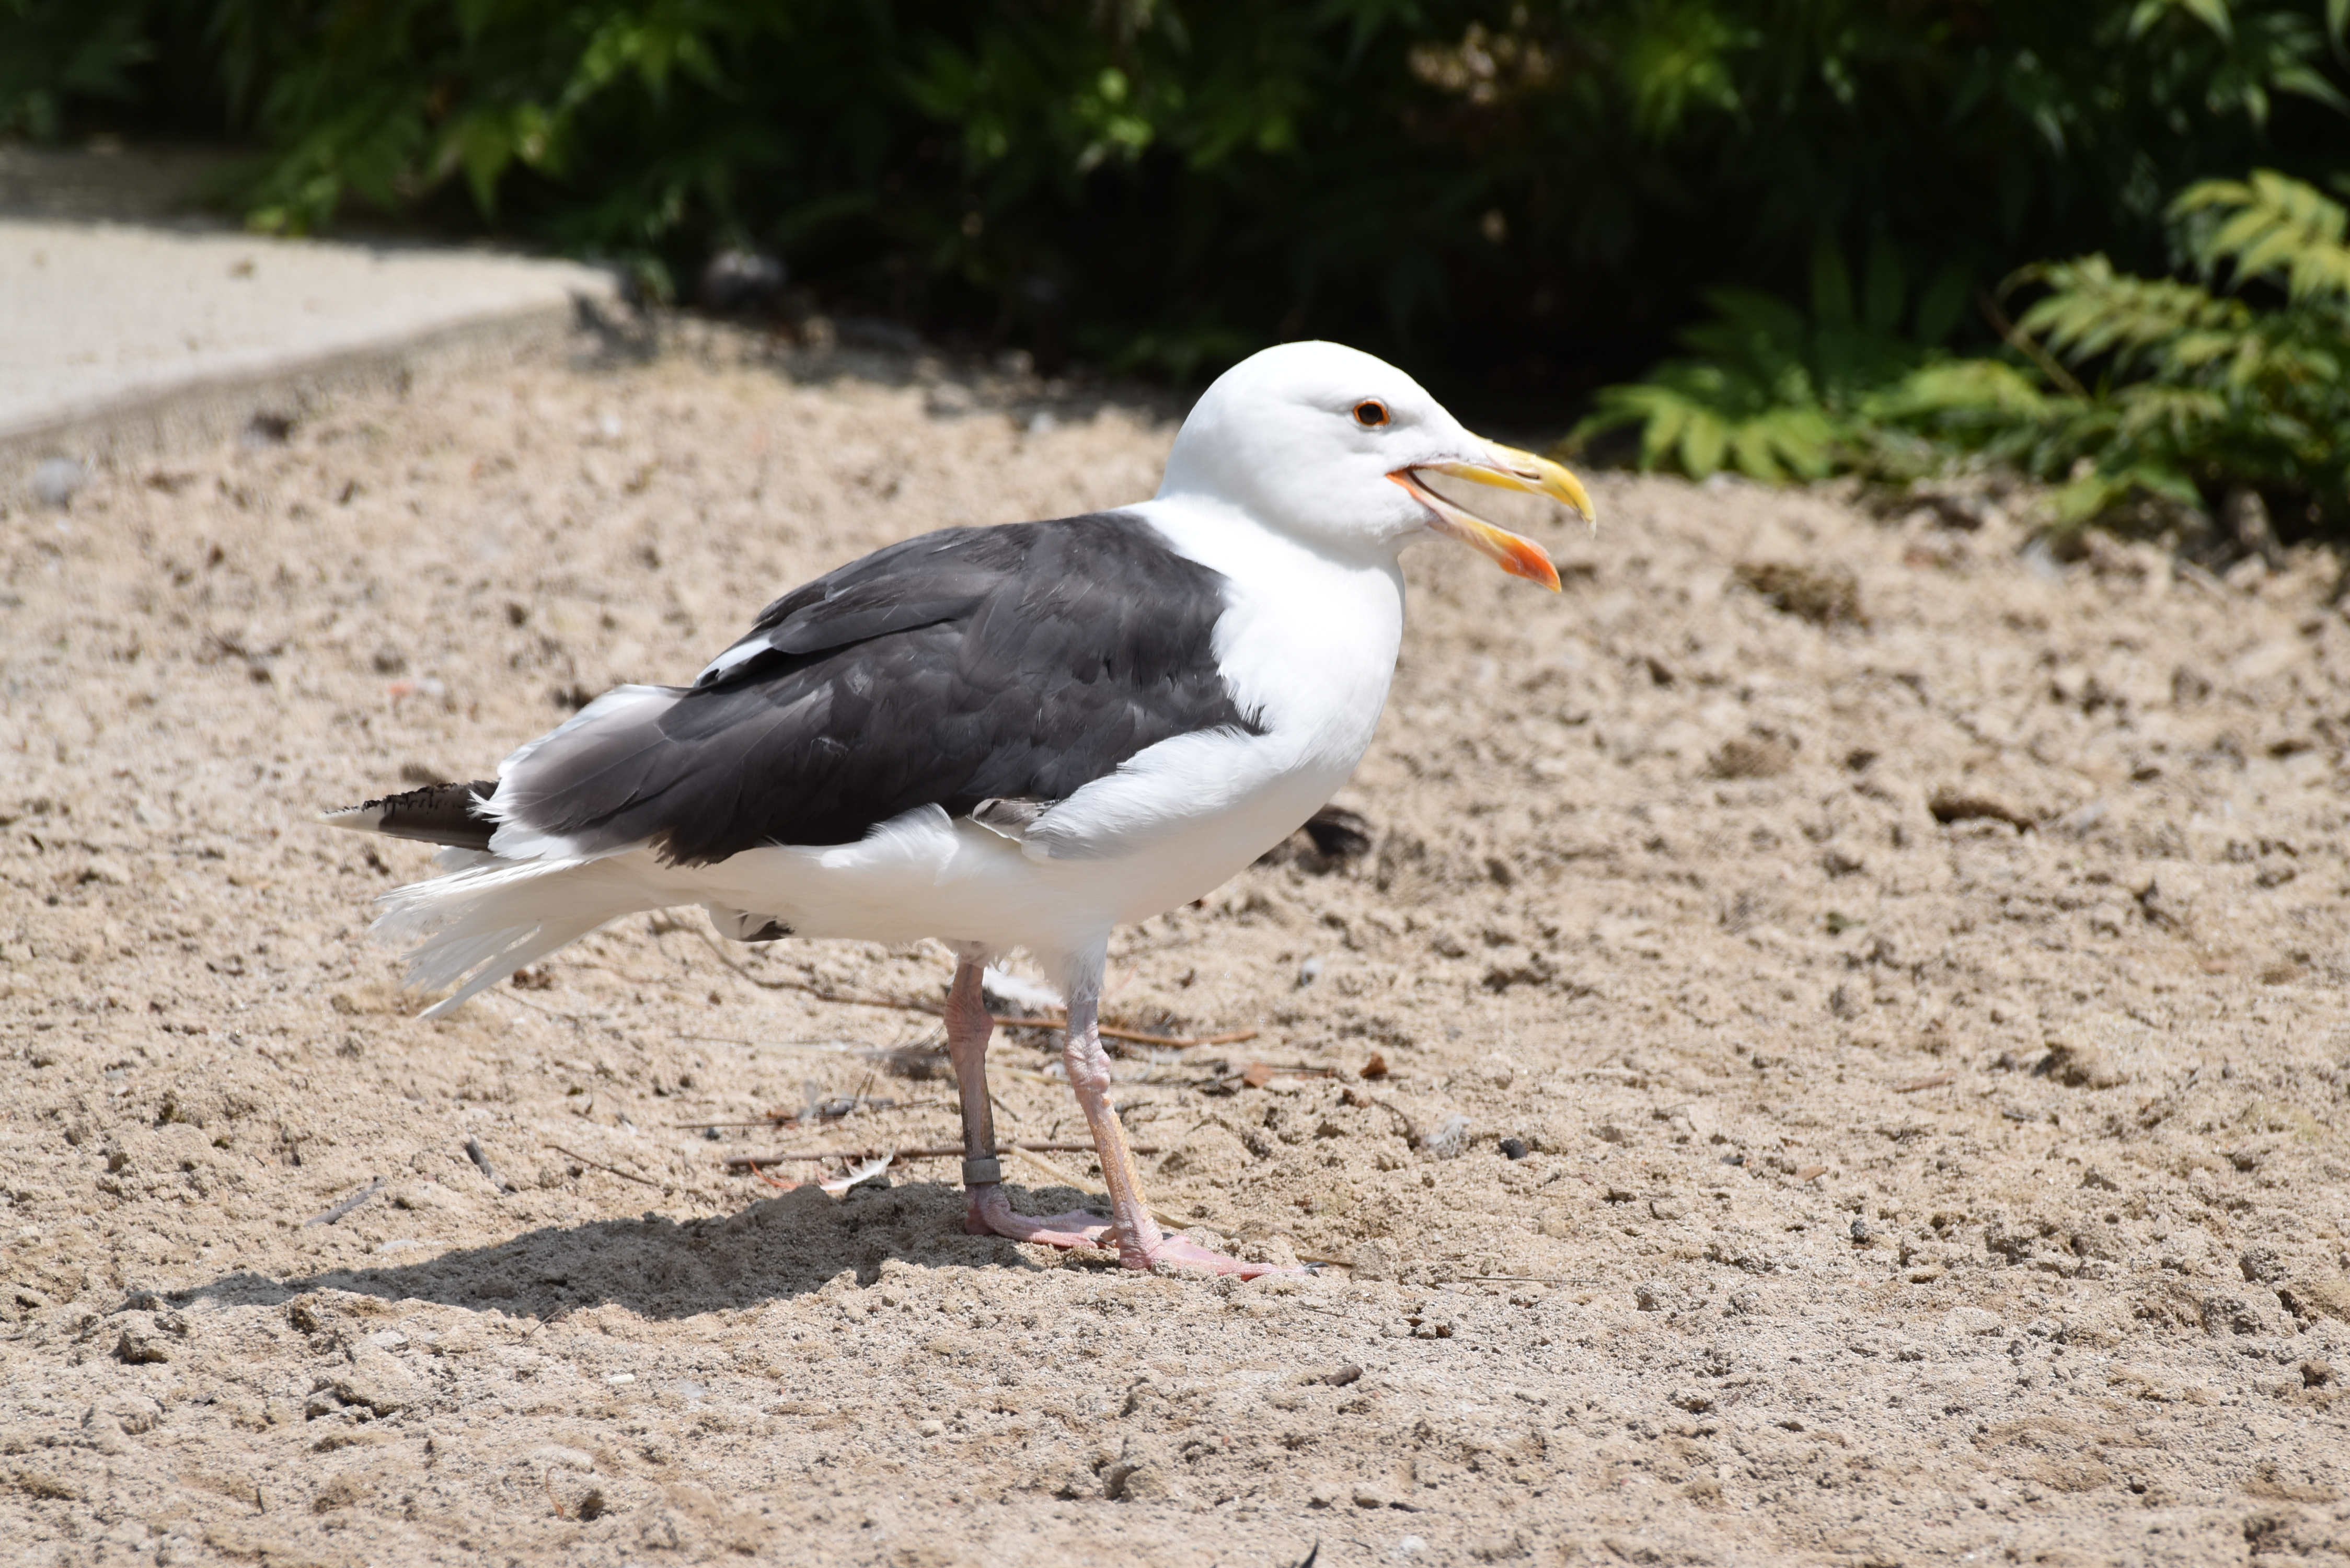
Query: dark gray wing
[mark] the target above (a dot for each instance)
(970, 665)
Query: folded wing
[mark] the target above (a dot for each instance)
(968, 666)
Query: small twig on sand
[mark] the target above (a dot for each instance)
(934, 1151)
(1112, 1032)
(1257, 1075)
(819, 992)
(838, 1047)
(481, 1158)
(785, 1118)
(938, 1010)
(777, 1119)
(1930, 1080)
(346, 1206)
(610, 1170)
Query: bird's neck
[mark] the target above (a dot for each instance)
(1308, 637)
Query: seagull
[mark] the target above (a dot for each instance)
(1007, 737)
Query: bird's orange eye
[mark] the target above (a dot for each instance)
(1370, 414)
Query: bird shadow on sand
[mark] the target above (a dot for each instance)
(789, 1245)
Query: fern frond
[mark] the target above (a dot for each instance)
(1638, 404)
(2289, 362)
(2269, 225)
(2188, 386)
(1700, 418)
(2091, 310)
(1967, 388)
(1701, 443)
(2177, 413)
(1801, 441)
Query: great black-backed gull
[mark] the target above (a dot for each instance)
(1007, 737)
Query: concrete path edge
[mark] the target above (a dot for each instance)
(150, 424)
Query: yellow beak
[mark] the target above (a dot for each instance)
(1507, 469)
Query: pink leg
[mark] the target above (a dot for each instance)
(988, 1212)
(1140, 1243)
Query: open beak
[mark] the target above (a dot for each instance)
(1504, 468)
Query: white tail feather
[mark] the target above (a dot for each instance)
(472, 928)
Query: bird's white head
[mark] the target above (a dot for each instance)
(1329, 444)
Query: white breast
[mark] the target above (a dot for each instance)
(1309, 640)
(1308, 646)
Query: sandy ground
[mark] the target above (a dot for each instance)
(1918, 1007)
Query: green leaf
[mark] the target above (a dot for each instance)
(2212, 14)
(1752, 451)
(1667, 420)
(483, 147)
(1962, 388)
(2303, 82)
(2269, 224)
(1703, 440)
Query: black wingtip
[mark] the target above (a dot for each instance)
(445, 814)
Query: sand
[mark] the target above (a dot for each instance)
(1916, 1000)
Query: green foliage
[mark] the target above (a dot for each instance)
(1776, 394)
(2116, 387)
(52, 54)
(2253, 228)
(2185, 389)
(1540, 192)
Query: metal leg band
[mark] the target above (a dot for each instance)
(981, 1171)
